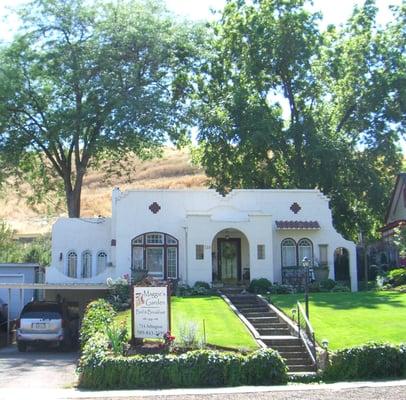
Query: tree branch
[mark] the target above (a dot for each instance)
(345, 117)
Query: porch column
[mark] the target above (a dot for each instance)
(353, 268)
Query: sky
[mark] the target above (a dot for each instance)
(334, 11)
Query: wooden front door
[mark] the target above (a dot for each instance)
(229, 260)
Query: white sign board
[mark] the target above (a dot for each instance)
(151, 312)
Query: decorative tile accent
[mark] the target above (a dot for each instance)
(154, 207)
(295, 207)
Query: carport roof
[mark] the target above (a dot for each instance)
(59, 286)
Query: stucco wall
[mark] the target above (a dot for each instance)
(79, 235)
(195, 217)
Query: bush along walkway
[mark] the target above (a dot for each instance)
(271, 330)
(103, 364)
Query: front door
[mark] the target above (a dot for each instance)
(229, 260)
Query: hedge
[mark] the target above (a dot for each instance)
(200, 368)
(100, 369)
(373, 360)
(98, 315)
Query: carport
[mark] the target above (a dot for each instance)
(81, 293)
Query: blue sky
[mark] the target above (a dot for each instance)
(334, 11)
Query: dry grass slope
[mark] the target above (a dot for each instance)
(173, 171)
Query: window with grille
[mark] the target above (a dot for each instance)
(305, 249)
(86, 264)
(289, 258)
(261, 252)
(101, 262)
(199, 252)
(72, 264)
(157, 253)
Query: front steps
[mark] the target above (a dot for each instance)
(272, 330)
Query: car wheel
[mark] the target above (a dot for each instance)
(22, 347)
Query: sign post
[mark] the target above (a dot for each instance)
(150, 312)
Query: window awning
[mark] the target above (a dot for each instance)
(300, 225)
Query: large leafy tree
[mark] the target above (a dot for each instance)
(81, 83)
(285, 105)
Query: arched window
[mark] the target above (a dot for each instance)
(305, 249)
(86, 264)
(72, 264)
(289, 258)
(101, 261)
(157, 253)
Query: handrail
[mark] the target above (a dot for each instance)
(307, 336)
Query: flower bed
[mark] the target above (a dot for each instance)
(101, 367)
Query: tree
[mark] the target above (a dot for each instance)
(80, 84)
(284, 105)
(14, 251)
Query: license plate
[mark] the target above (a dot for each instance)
(40, 325)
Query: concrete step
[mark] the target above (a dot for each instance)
(263, 319)
(253, 308)
(287, 349)
(283, 341)
(270, 325)
(301, 368)
(256, 314)
(298, 361)
(272, 332)
(293, 354)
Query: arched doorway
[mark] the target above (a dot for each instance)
(341, 264)
(230, 257)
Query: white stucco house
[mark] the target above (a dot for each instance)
(199, 235)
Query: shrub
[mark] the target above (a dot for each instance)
(327, 284)
(340, 287)
(264, 367)
(200, 368)
(98, 315)
(183, 290)
(397, 276)
(260, 286)
(314, 287)
(120, 296)
(372, 360)
(200, 284)
(277, 288)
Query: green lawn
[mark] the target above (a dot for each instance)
(348, 319)
(223, 327)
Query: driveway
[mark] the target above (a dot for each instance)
(37, 368)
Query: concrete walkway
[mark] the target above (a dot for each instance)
(337, 391)
(37, 369)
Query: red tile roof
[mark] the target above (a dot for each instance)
(297, 225)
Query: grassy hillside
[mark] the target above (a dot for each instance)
(174, 170)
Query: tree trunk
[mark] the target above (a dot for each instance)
(73, 202)
(73, 195)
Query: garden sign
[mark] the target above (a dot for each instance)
(151, 311)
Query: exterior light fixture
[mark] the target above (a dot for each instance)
(324, 343)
